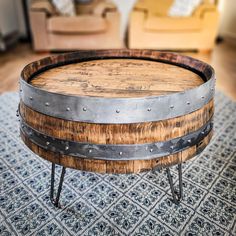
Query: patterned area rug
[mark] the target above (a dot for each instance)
(113, 205)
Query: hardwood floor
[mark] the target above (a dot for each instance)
(222, 59)
(12, 62)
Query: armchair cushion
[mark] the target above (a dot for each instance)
(78, 24)
(173, 23)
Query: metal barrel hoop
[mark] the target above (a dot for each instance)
(116, 152)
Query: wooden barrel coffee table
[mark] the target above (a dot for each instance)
(117, 111)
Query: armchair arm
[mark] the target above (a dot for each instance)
(42, 6)
(154, 7)
(203, 8)
(38, 25)
(103, 7)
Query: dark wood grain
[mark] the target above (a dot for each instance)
(146, 132)
(117, 78)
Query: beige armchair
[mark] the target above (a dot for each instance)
(96, 26)
(151, 27)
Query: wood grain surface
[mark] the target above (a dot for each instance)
(117, 78)
(146, 132)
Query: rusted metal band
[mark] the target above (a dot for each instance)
(119, 152)
(117, 110)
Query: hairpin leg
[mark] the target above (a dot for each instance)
(177, 195)
(56, 200)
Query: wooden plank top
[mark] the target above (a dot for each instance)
(117, 78)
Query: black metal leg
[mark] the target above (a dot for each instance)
(56, 201)
(177, 195)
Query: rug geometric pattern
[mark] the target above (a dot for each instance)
(116, 205)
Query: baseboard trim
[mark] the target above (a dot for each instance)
(8, 40)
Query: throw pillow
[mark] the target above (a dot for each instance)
(183, 7)
(65, 7)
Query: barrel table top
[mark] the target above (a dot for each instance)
(117, 78)
(117, 111)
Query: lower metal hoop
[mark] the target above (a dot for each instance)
(116, 152)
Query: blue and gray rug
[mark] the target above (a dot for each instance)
(116, 205)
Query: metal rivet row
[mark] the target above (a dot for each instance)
(117, 111)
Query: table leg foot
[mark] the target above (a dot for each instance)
(55, 201)
(177, 195)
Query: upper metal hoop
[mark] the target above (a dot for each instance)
(117, 110)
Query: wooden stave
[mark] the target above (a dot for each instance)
(120, 167)
(112, 133)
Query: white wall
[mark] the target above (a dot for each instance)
(8, 17)
(20, 18)
(228, 18)
(124, 6)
